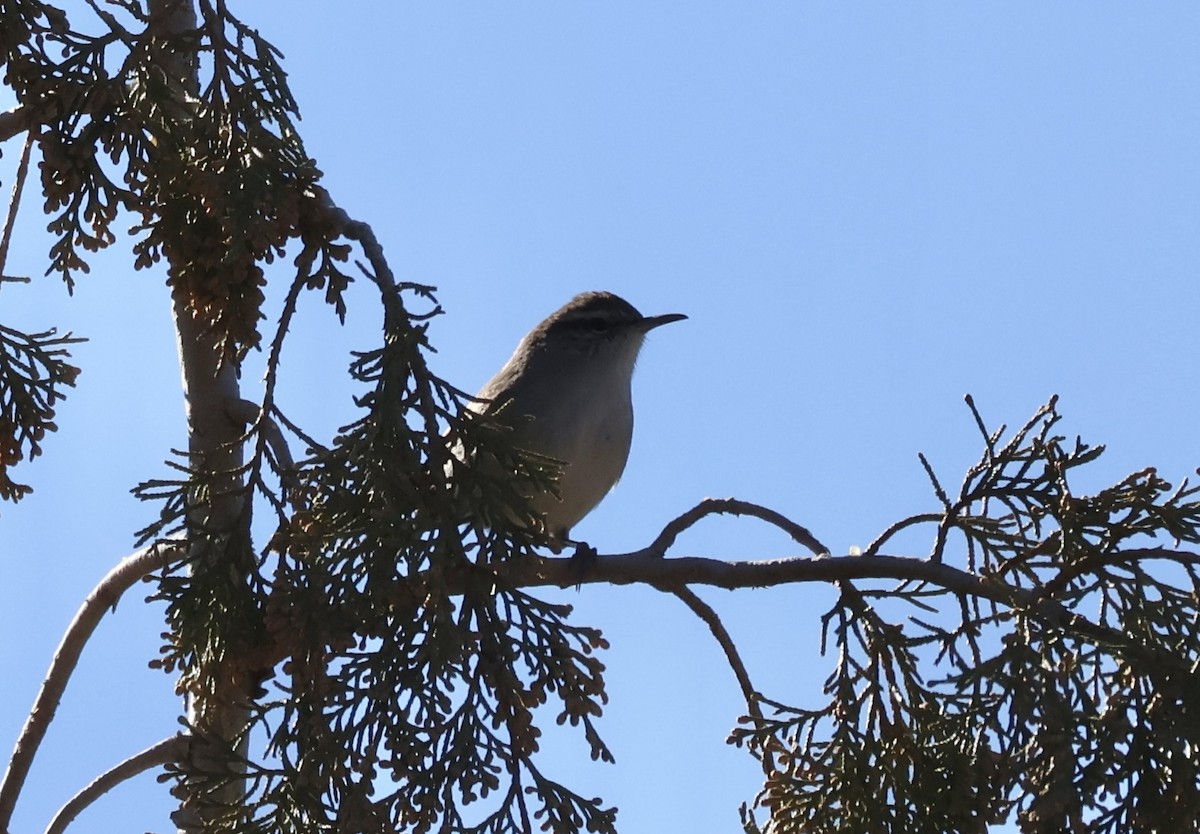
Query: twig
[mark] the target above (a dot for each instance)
(733, 506)
(165, 751)
(1180, 557)
(884, 537)
(14, 202)
(249, 413)
(380, 271)
(114, 25)
(705, 612)
(396, 319)
(103, 597)
(713, 620)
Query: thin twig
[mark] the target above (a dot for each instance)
(733, 506)
(884, 537)
(167, 750)
(713, 620)
(103, 597)
(14, 202)
(933, 479)
(1179, 557)
(705, 612)
(303, 276)
(249, 413)
(114, 25)
(380, 271)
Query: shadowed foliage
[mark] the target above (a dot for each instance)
(379, 661)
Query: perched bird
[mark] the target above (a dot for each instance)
(565, 394)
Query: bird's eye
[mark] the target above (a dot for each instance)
(595, 324)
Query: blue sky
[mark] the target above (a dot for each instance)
(866, 210)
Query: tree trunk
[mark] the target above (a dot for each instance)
(218, 524)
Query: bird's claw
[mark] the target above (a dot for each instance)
(581, 562)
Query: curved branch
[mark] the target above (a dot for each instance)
(706, 612)
(886, 536)
(167, 750)
(734, 506)
(753, 697)
(103, 597)
(380, 271)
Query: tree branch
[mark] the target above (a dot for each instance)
(753, 697)
(884, 537)
(250, 414)
(648, 567)
(103, 597)
(13, 122)
(713, 621)
(710, 617)
(165, 751)
(14, 203)
(734, 506)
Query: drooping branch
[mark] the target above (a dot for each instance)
(710, 617)
(163, 752)
(104, 597)
(753, 697)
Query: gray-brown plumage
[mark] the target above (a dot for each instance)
(566, 394)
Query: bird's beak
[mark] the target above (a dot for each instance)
(651, 322)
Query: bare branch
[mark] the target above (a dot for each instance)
(753, 697)
(733, 506)
(13, 122)
(14, 203)
(648, 567)
(103, 597)
(243, 411)
(884, 537)
(706, 612)
(165, 751)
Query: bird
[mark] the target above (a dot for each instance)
(566, 394)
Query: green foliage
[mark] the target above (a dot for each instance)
(1075, 708)
(394, 676)
(220, 180)
(33, 372)
(406, 672)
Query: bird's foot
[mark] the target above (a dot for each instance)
(581, 562)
